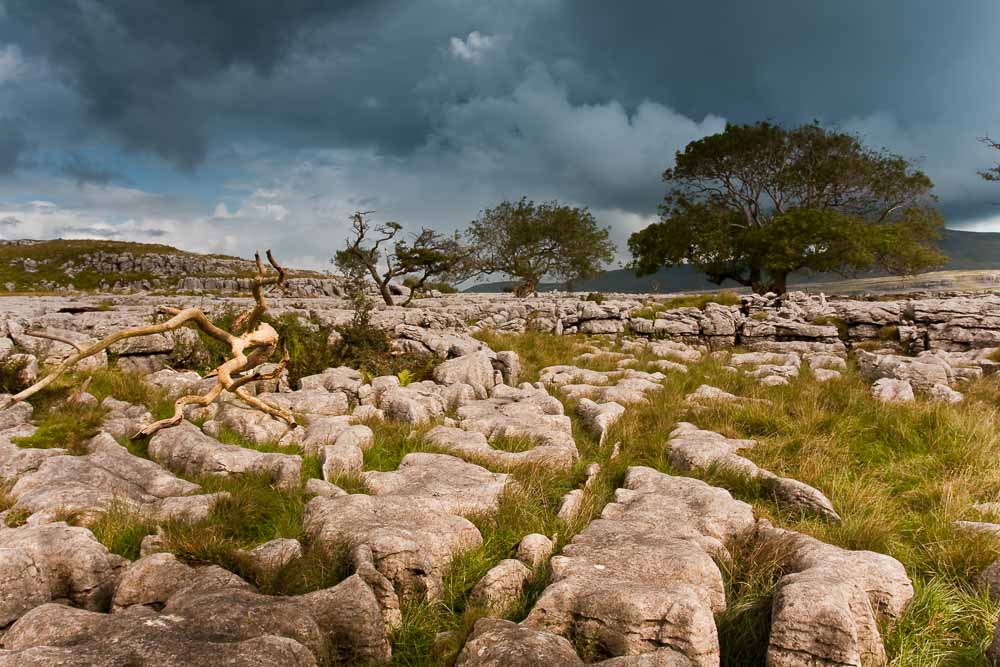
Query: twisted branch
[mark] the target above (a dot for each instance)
(248, 350)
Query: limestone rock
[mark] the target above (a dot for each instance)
(186, 449)
(411, 543)
(205, 625)
(270, 557)
(54, 562)
(441, 481)
(151, 580)
(642, 577)
(691, 448)
(889, 390)
(474, 369)
(534, 550)
(827, 606)
(500, 588)
(319, 487)
(599, 417)
(346, 459)
(499, 643)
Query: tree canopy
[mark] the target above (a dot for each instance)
(755, 203)
(528, 242)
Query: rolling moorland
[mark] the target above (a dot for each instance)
(88, 265)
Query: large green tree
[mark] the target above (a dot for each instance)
(756, 203)
(528, 242)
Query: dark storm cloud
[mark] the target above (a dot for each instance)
(13, 145)
(138, 62)
(583, 100)
(81, 169)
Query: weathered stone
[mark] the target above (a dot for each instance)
(151, 580)
(204, 625)
(443, 482)
(411, 540)
(186, 449)
(270, 557)
(319, 487)
(889, 390)
(55, 562)
(570, 506)
(501, 586)
(642, 577)
(945, 394)
(475, 370)
(691, 448)
(827, 606)
(599, 417)
(339, 459)
(534, 550)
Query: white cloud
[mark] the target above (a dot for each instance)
(472, 48)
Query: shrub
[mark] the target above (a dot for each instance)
(367, 347)
(724, 298)
(307, 343)
(889, 332)
(596, 297)
(11, 375)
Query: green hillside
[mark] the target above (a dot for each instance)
(32, 266)
(966, 251)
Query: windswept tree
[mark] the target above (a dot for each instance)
(756, 203)
(528, 242)
(376, 251)
(993, 173)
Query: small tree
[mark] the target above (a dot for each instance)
(757, 202)
(992, 174)
(528, 242)
(375, 250)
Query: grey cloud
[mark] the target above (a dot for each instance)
(83, 170)
(9, 221)
(13, 145)
(581, 100)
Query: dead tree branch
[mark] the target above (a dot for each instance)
(248, 350)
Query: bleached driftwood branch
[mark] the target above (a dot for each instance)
(248, 350)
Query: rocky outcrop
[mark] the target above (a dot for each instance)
(186, 449)
(411, 539)
(642, 577)
(210, 620)
(828, 605)
(54, 562)
(691, 448)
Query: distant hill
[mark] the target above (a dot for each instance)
(966, 251)
(30, 266)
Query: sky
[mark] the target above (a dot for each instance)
(227, 126)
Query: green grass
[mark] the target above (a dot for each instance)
(64, 424)
(650, 310)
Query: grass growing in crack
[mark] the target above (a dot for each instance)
(16, 517)
(393, 441)
(536, 350)
(62, 423)
(749, 577)
(121, 529)
(255, 512)
(528, 507)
